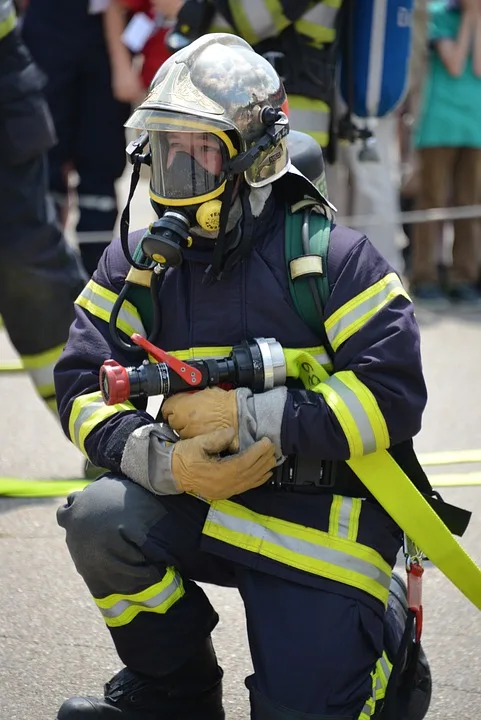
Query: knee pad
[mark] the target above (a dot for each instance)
(107, 520)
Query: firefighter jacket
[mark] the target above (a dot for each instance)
(299, 39)
(373, 398)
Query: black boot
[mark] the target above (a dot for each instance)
(194, 692)
(415, 685)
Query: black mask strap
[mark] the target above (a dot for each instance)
(215, 269)
(125, 217)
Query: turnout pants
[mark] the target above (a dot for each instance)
(141, 556)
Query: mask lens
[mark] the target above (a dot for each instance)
(186, 165)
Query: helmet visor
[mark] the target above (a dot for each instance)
(186, 166)
(189, 154)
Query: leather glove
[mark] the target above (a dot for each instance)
(197, 467)
(192, 414)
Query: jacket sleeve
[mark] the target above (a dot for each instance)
(100, 431)
(257, 20)
(376, 394)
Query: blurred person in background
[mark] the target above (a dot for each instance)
(67, 40)
(366, 186)
(137, 29)
(448, 138)
(40, 276)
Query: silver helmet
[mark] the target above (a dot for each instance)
(219, 89)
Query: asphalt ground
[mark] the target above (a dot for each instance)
(52, 640)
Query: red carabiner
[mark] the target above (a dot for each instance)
(190, 374)
(415, 597)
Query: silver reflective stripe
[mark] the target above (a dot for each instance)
(102, 203)
(322, 14)
(220, 24)
(259, 18)
(309, 121)
(85, 413)
(379, 685)
(358, 413)
(128, 318)
(155, 602)
(323, 359)
(6, 9)
(368, 306)
(344, 517)
(42, 377)
(328, 555)
(385, 668)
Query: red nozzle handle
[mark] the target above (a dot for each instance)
(114, 383)
(190, 374)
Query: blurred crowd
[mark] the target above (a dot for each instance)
(100, 56)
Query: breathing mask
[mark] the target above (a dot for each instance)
(193, 180)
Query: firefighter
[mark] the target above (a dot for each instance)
(40, 276)
(67, 41)
(190, 496)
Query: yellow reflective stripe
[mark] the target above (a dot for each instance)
(318, 23)
(357, 412)
(40, 360)
(99, 301)
(258, 19)
(46, 391)
(198, 353)
(330, 391)
(334, 515)
(7, 25)
(40, 368)
(308, 549)
(310, 116)
(353, 315)
(344, 517)
(353, 404)
(379, 676)
(119, 610)
(51, 403)
(87, 412)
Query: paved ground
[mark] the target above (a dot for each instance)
(52, 641)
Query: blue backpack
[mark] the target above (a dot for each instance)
(375, 55)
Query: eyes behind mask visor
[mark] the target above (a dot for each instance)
(186, 178)
(177, 174)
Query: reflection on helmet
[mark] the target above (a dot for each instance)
(216, 87)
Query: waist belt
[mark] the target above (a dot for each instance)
(313, 476)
